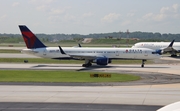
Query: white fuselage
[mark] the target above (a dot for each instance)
(156, 45)
(111, 53)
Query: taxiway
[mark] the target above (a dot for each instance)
(152, 68)
(149, 95)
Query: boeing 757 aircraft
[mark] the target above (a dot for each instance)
(160, 47)
(100, 56)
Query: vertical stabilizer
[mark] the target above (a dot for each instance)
(30, 39)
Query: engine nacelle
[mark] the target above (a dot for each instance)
(102, 61)
(159, 52)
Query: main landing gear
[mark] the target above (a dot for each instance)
(173, 55)
(87, 64)
(143, 62)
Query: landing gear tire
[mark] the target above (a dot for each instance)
(173, 55)
(143, 62)
(87, 65)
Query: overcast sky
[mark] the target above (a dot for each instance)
(90, 16)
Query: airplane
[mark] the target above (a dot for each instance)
(171, 107)
(161, 47)
(100, 56)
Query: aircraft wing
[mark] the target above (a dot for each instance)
(81, 56)
(170, 48)
(84, 56)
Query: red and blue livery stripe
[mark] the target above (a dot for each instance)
(30, 39)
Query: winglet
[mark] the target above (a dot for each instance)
(62, 52)
(171, 44)
(79, 45)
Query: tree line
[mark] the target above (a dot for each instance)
(15, 38)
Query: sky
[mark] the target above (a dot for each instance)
(90, 16)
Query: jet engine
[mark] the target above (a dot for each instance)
(102, 61)
(159, 52)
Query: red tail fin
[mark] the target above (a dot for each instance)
(30, 39)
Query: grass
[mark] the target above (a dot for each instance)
(9, 51)
(60, 76)
(44, 60)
